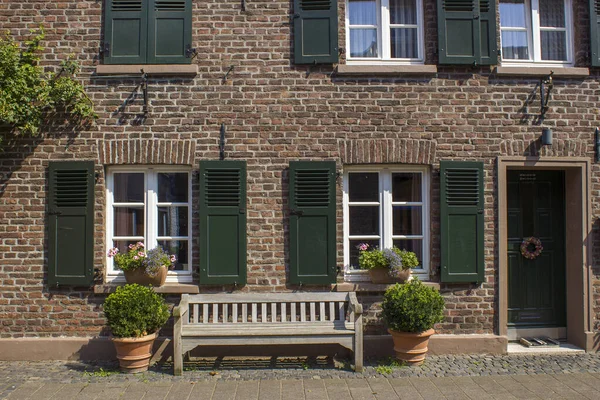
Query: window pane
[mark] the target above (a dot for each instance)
(354, 251)
(403, 42)
(364, 220)
(414, 245)
(363, 43)
(128, 221)
(362, 12)
(512, 13)
(363, 186)
(552, 13)
(173, 187)
(403, 12)
(514, 46)
(407, 220)
(172, 221)
(180, 249)
(129, 187)
(554, 45)
(406, 186)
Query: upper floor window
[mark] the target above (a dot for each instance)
(536, 31)
(384, 30)
(147, 31)
(152, 206)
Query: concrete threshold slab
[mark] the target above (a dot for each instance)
(517, 348)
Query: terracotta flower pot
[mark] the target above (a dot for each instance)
(134, 353)
(382, 275)
(140, 277)
(411, 347)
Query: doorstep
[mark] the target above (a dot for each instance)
(566, 348)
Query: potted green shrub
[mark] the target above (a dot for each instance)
(134, 314)
(387, 265)
(410, 311)
(141, 266)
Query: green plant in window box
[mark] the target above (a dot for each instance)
(141, 266)
(387, 265)
(410, 311)
(134, 314)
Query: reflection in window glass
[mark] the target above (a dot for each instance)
(128, 188)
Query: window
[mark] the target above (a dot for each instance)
(536, 31)
(386, 207)
(152, 206)
(147, 32)
(384, 30)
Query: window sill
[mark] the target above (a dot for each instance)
(344, 69)
(371, 287)
(167, 288)
(562, 72)
(151, 69)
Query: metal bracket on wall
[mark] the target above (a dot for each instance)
(143, 84)
(546, 86)
(228, 72)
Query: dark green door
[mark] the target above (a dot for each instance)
(536, 287)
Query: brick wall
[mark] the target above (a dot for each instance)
(274, 112)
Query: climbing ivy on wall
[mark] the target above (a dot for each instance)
(31, 97)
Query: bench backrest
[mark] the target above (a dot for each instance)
(267, 308)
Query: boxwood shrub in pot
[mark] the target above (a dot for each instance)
(134, 314)
(410, 311)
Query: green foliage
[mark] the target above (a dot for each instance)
(135, 311)
(376, 258)
(412, 307)
(137, 257)
(30, 97)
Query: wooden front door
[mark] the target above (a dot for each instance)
(536, 287)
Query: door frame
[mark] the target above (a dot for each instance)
(577, 232)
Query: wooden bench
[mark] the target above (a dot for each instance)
(263, 319)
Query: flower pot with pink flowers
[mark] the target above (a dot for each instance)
(387, 265)
(141, 266)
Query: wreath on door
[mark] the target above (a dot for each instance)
(531, 248)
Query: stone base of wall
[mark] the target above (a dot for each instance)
(102, 349)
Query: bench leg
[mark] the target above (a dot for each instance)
(358, 344)
(177, 355)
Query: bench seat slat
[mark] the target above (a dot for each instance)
(268, 329)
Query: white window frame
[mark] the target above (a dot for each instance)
(151, 205)
(386, 236)
(383, 37)
(532, 22)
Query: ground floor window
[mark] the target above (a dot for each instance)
(151, 205)
(385, 207)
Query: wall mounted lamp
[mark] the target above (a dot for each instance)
(546, 137)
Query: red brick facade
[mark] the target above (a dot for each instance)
(275, 112)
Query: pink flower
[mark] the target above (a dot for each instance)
(173, 258)
(135, 257)
(113, 252)
(362, 246)
(131, 246)
(141, 254)
(140, 244)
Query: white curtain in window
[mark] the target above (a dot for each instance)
(553, 35)
(403, 38)
(362, 16)
(514, 30)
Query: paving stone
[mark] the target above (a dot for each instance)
(292, 389)
(202, 390)
(180, 391)
(314, 390)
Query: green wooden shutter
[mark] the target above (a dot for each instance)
(312, 222)
(595, 32)
(222, 222)
(315, 32)
(487, 24)
(71, 223)
(461, 225)
(169, 31)
(125, 31)
(467, 32)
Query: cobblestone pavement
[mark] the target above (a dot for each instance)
(573, 376)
